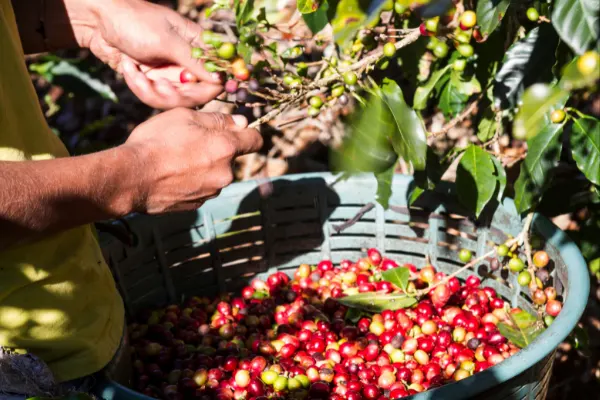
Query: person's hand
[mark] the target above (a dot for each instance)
(150, 45)
(181, 158)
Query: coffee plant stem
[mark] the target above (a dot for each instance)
(323, 82)
(456, 120)
(517, 240)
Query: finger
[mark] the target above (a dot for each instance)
(220, 122)
(248, 141)
(145, 90)
(200, 93)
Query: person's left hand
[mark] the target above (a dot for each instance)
(150, 45)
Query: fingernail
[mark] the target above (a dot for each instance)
(240, 120)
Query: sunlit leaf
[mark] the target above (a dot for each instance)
(501, 177)
(585, 145)
(319, 19)
(521, 328)
(398, 276)
(307, 6)
(384, 186)
(409, 138)
(377, 302)
(573, 79)
(243, 11)
(577, 22)
(538, 101)
(487, 125)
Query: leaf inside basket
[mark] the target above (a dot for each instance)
(398, 276)
(377, 302)
(521, 328)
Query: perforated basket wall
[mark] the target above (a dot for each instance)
(240, 234)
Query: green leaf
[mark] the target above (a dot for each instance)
(243, 11)
(409, 139)
(427, 179)
(500, 176)
(585, 145)
(475, 179)
(367, 147)
(467, 87)
(538, 101)
(487, 125)
(543, 153)
(245, 51)
(307, 6)
(490, 14)
(521, 328)
(352, 15)
(384, 186)
(398, 276)
(377, 302)
(526, 62)
(423, 92)
(63, 72)
(452, 101)
(573, 79)
(577, 22)
(354, 315)
(319, 19)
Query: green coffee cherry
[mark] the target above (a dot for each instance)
(532, 14)
(350, 78)
(502, 250)
(316, 102)
(337, 91)
(524, 278)
(389, 50)
(465, 255)
(197, 52)
(313, 112)
(465, 50)
(516, 264)
(440, 50)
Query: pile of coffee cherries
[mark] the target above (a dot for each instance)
(290, 338)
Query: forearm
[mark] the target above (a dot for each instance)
(48, 25)
(39, 198)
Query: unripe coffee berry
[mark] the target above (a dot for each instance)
(440, 50)
(588, 63)
(532, 14)
(502, 250)
(557, 116)
(316, 102)
(389, 50)
(465, 50)
(465, 255)
(350, 78)
(226, 51)
(524, 278)
(516, 264)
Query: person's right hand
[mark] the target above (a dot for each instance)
(183, 157)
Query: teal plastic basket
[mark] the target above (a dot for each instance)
(241, 235)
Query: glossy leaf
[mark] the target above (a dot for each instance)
(577, 22)
(319, 19)
(487, 125)
(307, 6)
(475, 179)
(409, 139)
(377, 302)
(500, 176)
(384, 186)
(490, 14)
(398, 276)
(585, 145)
(423, 93)
(521, 328)
(538, 101)
(428, 179)
(452, 101)
(526, 62)
(542, 156)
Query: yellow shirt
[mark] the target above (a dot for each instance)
(58, 299)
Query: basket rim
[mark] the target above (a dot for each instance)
(577, 287)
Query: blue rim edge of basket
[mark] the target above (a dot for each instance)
(578, 283)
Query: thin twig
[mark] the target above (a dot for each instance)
(365, 209)
(456, 120)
